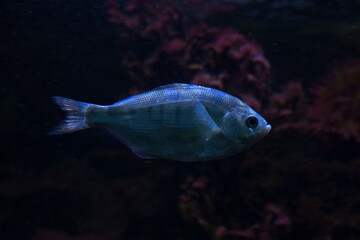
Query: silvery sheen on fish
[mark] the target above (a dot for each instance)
(176, 121)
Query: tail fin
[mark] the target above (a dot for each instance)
(75, 119)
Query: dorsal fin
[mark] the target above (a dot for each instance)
(176, 85)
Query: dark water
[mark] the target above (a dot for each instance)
(299, 182)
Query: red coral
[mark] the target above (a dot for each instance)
(228, 53)
(288, 107)
(228, 38)
(161, 44)
(198, 204)
(55, 235)
(252, 101)
(175, 46)
(205, 79)
(279, 217)
(336, 107)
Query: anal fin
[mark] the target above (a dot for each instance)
(133, 148)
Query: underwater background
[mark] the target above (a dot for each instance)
(295, 62)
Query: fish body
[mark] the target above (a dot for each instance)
(176, 121)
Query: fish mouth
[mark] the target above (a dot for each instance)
(266, 129)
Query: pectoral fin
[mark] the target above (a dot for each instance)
(210, 128)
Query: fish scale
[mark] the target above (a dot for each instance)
(176, 121)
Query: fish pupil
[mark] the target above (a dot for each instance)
(252, 122)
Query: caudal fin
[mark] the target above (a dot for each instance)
(75, 115)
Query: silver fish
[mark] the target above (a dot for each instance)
(176, 121)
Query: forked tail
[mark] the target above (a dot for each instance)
(75, 115)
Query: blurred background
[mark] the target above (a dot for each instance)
(296, 62)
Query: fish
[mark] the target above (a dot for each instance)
(177, 121)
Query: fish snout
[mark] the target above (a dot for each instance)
(266, 129)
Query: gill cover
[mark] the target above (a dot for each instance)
(234, 126)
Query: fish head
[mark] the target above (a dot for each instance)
(244, 125)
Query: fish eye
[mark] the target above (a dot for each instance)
(251, 122)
